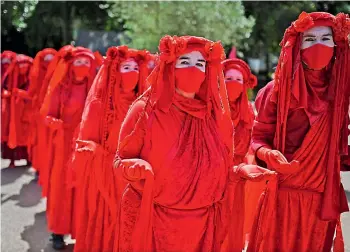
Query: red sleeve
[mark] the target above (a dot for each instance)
(132, 132)
(265, 123)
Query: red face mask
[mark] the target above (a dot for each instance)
(317, 56)
(189, 79)
(129, 80)
(81, 72)
(234, 89)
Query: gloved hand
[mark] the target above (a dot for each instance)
(135, 171)
(276, 160)
(87, 146)
(53, 123)
(253, 172)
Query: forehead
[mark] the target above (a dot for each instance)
(5, 61)
(233, 72)
(48, 57)
(318, 31)
(129, 61)
(193, 55)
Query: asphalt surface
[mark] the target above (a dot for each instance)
(23, 220)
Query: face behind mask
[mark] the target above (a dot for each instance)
(189, 79)
(317, 56)
(129, 80)
(234, 89)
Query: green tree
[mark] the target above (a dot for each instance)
(147, 22)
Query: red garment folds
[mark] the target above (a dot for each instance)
(188, 144)
(63, 105)
(242, 113)
(44, 147)
(302, 114)
(15, 103)
(99, 192)
(36, 146)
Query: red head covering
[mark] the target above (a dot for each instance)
(50, 69)
(241, 109)
(106, 92)
(38, 71)
(162, 79)
(5, 71)
(63, 75)
(290, 85)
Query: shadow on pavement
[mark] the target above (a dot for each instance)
(10, 175)
(38, 237)
(30, 194)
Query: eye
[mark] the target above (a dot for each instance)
(326, 39)
(126, 67)
(239, 79)
(228, 78)
(199, 64)
(185, 62)
(136, 68)
(309, 39)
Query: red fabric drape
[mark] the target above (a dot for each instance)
(99, 191)
(63, 105)
(305, 122)
(183, 207)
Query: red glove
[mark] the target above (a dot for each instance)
(87, 146)
(277, 161)
(53, 123)
(134, 170)
(253, 172)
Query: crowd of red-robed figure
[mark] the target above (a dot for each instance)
(164, 152)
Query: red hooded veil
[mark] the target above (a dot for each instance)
(98, 193)
(305, 120)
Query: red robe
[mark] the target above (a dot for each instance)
(38, 129)
(300, 191)
(190, 164)
(67, 104)
(16, 112)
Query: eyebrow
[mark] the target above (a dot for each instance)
(309, 36)
(201, 60)
(328, 34)
(184, 57)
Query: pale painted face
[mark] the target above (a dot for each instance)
(5, 61)
(192, 59)
(318, 35)
(82, 61)
(128, 66)
(48, 57)
(234, 75)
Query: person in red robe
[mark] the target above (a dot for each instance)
(119, 82)
(238, 78)
(44, 165)
(301, 133)
(63, 106)
(15, 107)
(175, 150)
(37, 128)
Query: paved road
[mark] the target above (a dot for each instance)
(23, 222)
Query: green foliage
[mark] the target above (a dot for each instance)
(15, 14)
(147, 22)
